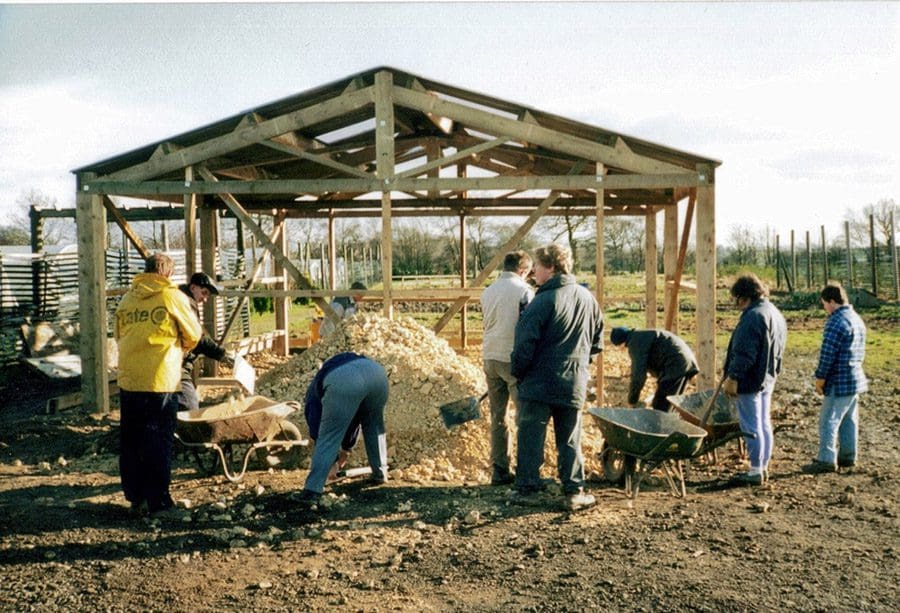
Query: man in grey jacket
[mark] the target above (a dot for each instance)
(753, 363)
(501, 304)
(661, 353)
(556, 337)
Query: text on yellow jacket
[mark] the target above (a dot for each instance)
(154, 327)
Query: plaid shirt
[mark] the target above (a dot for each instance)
(842, 354)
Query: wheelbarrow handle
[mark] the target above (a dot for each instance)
(712, 402)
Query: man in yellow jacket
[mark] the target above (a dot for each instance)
(154, 328)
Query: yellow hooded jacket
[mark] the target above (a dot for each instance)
(155, 327)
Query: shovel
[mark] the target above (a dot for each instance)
(712, 403)
(245, 374)
(461, 411)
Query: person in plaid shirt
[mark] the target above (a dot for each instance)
(840, 378)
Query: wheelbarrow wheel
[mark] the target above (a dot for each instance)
(280, 457)
(616, 464)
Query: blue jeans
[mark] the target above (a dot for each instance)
(532, 432)
(838, 429)
(355, 395)
(754, 416)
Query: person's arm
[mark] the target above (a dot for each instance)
(189, 330)
(528, 334)
(831, 344)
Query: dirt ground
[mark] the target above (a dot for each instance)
(827, 542)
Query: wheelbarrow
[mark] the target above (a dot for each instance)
(256, 422)
(656, 439)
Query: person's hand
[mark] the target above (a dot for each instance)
(228, 359)
(730, 387)
(820, 387)
(338, 464)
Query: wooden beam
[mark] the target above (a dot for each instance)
(384, 159)
(265, 242)
(117, 216)
(706, 279)
(450, 159)
(404, 184)
(672, 307)
(600, 274)
(558, 141)
(322, 159)
(91, 232)
(245, 135)
(670, 261)
(281, 303)
(191, 202)
(650, 257)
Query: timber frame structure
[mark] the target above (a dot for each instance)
(386, 143)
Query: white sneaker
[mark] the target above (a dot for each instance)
(580, 500)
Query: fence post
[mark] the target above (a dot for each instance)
(894, 259)
(824, 256)
(849, 254)
(793, 261)
(808, 262)
(873, 254)
(777, 262)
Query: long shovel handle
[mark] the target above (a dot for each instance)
(712, 402)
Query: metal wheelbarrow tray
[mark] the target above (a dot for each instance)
(657, 439)
(255, 421)
(722, 420)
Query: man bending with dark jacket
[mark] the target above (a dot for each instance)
(664, 355)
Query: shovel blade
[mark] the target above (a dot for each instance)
(460, 411)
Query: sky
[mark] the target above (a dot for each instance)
(797, 100)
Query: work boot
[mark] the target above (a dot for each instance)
(503, 478)
(580, 500)
(747, 479)
(817, 467)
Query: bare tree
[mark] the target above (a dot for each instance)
(55, 230)
(745, 244)
(859, 221)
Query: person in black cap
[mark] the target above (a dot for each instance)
(198, 289)
(659, 352)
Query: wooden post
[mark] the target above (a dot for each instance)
(874, 254)
(850, 280)
(778, 261)
(824, 255)
(191, 203)
(706, 276)
(209, 243)
(37, 263)
(894, 268)
(332, 254)
(793, 261)
(672, 307)
(463, 272)
(90, 218)
(384, 161)
(808, 262)
(670, 261)
(600, 268)
(650, 265)
(282, 304)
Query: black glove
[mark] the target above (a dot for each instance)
(228, 359)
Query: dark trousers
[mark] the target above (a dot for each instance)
(147, 429)
(668, 387)
(532, 421)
